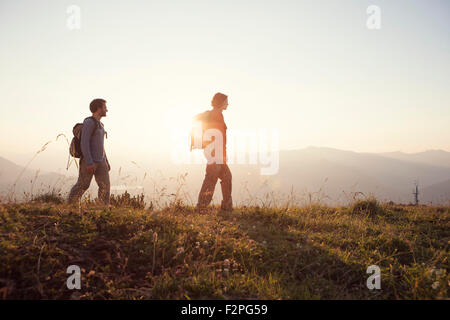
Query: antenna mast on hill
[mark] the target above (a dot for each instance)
(416, 194)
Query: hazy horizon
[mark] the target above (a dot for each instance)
(331, 175)
(52, 156)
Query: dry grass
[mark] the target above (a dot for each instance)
(311, 252)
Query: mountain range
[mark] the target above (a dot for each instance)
(17, 181)
(330, 175)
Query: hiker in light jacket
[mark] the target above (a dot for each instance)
(217, 169)
(93, 161)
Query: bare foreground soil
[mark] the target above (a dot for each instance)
(251, 253)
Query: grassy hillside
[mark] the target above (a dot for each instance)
(250, 253)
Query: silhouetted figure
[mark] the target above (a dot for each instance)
(217, 167)
(93, 161)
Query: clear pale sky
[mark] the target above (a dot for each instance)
(311, 69)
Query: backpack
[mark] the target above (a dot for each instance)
(200, 125)
(75, 145)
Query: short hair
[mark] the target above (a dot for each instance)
(96, 104)
(218, 99)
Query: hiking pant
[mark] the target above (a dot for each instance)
(84, 180)
(213, 173)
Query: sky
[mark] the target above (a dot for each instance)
(311, 70)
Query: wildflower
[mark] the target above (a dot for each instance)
(197, 245)
(180, 250)
(435, 285)
(226, 262)
(205, 243)
(440, 272)
(437, 272)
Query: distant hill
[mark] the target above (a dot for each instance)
(346, 171)
(8, 170)
(438, 193)
(432, 157)
(330, 175)
(21, 180)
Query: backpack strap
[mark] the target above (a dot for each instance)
(97, 124)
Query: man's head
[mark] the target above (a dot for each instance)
(98, 107)
(220, 101)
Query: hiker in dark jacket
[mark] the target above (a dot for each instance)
(93, 161)
(218, 168)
